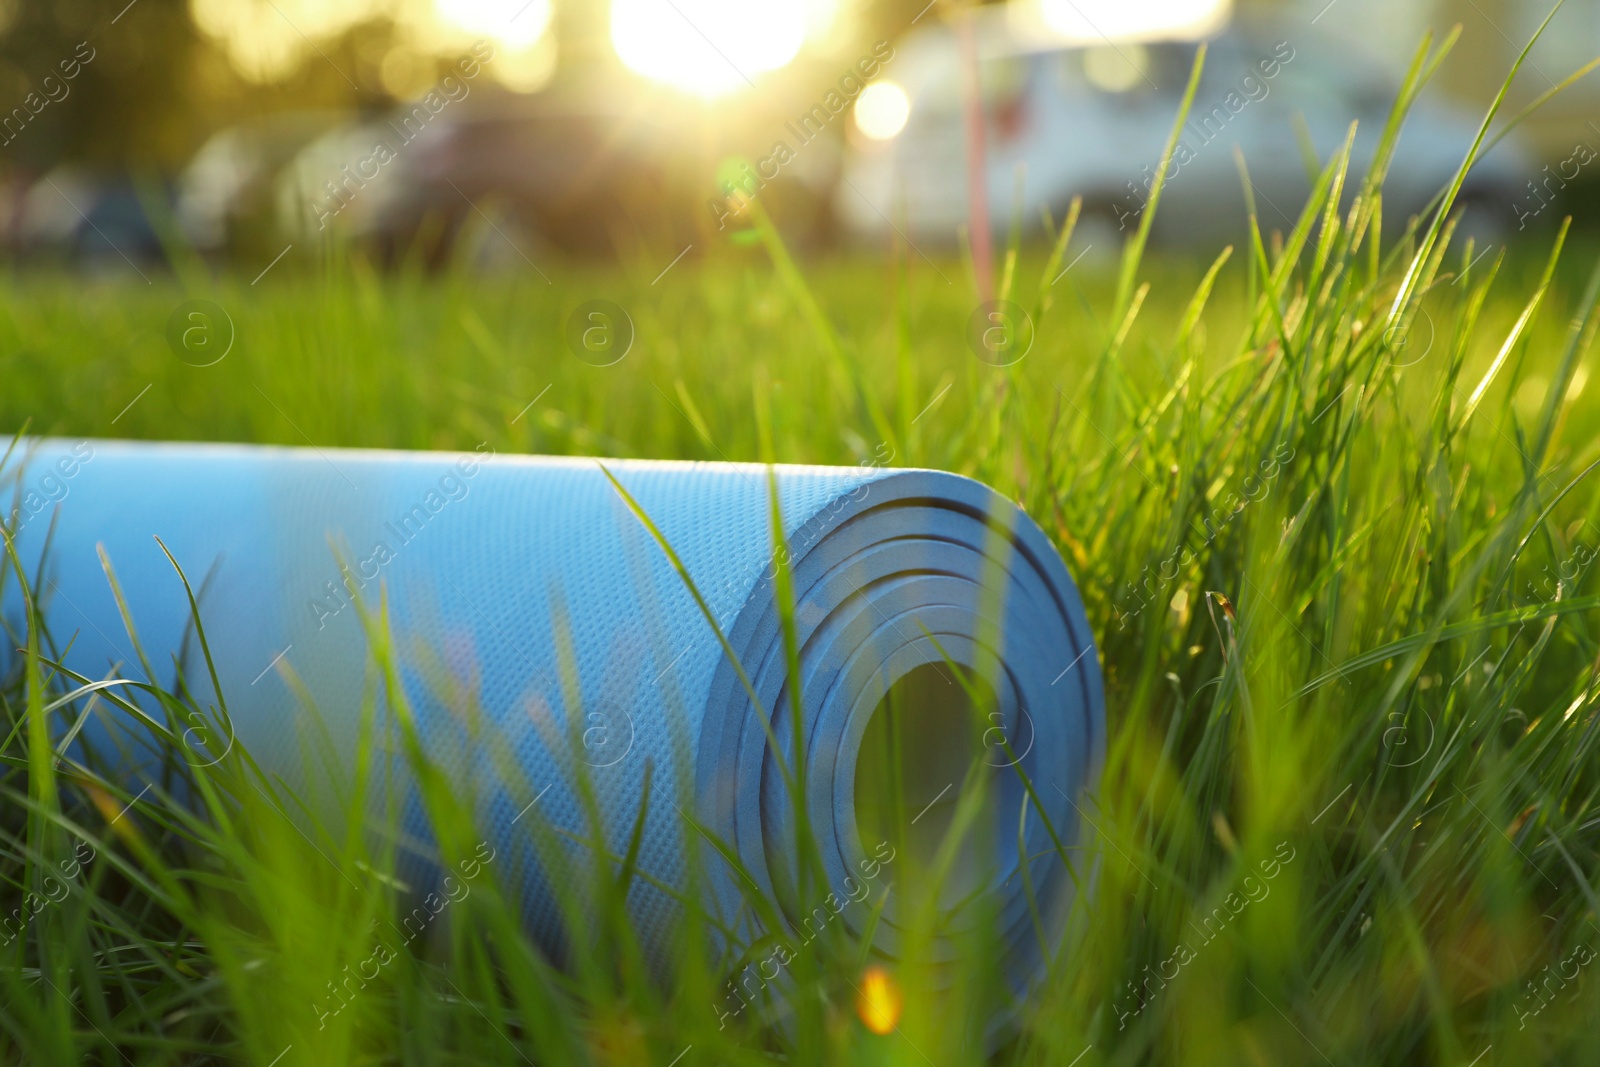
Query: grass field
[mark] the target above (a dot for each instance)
(1329, 512)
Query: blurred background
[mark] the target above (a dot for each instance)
(500, 131)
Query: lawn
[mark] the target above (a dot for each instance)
(1328, 511)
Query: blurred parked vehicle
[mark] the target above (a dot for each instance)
(583, 169)
(88, 220)
(227, 193)
(1092, 121)
(346, 178)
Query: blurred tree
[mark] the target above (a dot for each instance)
(155, 83)
(148, 85)
(128, 97)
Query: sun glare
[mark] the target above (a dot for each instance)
(1096, 21)
(707, 47)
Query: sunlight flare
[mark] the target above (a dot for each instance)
(707, 47)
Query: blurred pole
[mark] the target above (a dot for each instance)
(977, 189)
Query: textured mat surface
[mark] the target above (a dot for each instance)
(493, 564)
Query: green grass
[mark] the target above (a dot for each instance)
(1340, 587)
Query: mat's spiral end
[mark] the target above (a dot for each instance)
(952, 714)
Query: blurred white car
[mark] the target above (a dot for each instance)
(226, 195)
(1092, 121)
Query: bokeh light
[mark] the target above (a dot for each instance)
(879, 1001)
(516, 24)
(1116, 70)
(267, 40)
(882, 110)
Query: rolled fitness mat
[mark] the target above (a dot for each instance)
(530, 582)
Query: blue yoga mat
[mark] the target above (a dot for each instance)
(493, 565)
